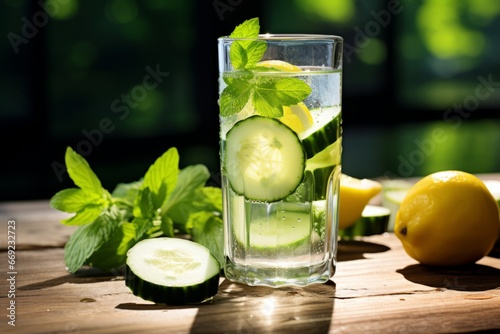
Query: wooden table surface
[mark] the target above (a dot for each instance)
(377, 289)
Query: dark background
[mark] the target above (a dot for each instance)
(421, 89)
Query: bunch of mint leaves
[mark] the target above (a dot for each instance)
(268, 94)
(167, 201)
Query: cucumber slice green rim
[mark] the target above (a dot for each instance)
(285, 229)
(263, 159)
(374, 220)
(371, 211)
(392, 199)
(278, 236)
(322, 138)
(172, 271)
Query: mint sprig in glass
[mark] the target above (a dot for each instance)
(267, 94)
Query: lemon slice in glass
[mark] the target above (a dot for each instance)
(279, 65)
(297, 117)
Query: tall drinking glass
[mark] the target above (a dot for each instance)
(281, 159)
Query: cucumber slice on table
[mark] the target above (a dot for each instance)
(392, 198)
(263, 159)
(374, 220)
(172, 271)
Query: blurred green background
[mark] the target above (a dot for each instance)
(121, 81)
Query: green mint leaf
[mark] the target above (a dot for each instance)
(127, 191)
(81, 173)
(88, 200)
(70, 200)
(234, 97)
(271, 94)
(167, 226)
(267, 95)
(161, 177)
(255, 51)
(190, 180)
(292, 90)
(86, 206)
(248, 29)
(267, 105)
(88, 238)
(243, 77)
(209, 199)
(124, 196)
(208, 231)
(238, 55)
(87, 215)
(142, 227)
(246, 53)
(113, 253)
(144, 212)
(144, 204)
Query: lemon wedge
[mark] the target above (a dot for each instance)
(354, 196)
(297, 117)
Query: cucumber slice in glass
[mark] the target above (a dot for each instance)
(287, 226)
(263, 159)
(320, 139)
(172, 271)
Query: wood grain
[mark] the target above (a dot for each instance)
(377, 288)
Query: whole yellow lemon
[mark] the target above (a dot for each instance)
(448, 218)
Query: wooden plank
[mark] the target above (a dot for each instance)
(377, 287)
(37, 224)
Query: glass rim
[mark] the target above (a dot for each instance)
(286, 37)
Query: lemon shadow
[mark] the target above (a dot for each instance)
(475, 277)
(495, 252)
(349, 250)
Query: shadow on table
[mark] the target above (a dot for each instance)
(354, 249)
(82, 276)
(246, 309)
(474, 277)
(148, 306)
(495, 252)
